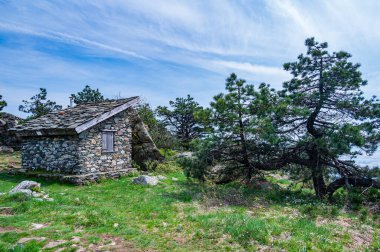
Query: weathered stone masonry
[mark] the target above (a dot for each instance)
(81, 154)
(86, 142)
(91, 157)
(53, 154)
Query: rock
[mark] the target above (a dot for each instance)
(26, 187)
(186, 154)
(26, 239)
(37, 194)
(9, 138)
(1, 193)
(78, 248)
(54, 244)
(115, 225)
(146, 180)
(160, 177)
(36, 226)
(174, 179)
(27, 192)
(6, 149)
(75, 239)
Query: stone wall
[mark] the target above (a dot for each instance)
(91, 157)
(54, 154)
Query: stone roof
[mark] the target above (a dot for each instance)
(67, 121)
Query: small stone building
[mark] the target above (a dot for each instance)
(87, 141)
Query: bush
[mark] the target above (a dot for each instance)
(168, 167)
(194, 168)
(168, 153)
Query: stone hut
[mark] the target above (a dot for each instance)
(85, 142)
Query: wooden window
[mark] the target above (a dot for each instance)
(107, 141)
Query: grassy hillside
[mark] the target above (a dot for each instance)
(179, 215)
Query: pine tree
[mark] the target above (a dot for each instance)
(39, 105)
(327, 116)
(87, 95)
(180, 119)
(2, 103)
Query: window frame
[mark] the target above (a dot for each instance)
(106, 134)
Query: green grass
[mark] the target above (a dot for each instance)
(182, 216)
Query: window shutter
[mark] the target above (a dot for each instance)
(107, 141)
(104, 141)
(110, 141)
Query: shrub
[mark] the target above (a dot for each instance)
(168, 153)
(168, 167)
(194, 168)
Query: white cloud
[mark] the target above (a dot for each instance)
(248, 67)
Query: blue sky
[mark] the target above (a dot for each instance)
(164, 49)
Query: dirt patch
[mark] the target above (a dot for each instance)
(8, 229)
(116, 244)
(340, 221)
(179, 240)
(361, 235)
(6, 211)
(360, 239)
(285, 236)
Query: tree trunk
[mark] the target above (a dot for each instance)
(354, 181)
(245, 152)
(242, 139)
(319, 185)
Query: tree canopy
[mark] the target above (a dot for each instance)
(234, 119)
(316, 124)
(180, 119)
(87, 95)
(327, 114)
(160, 135)
(39, 105)
(2, 103)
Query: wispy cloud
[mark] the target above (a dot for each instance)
(163, 49)
(198, 43)
(67, 38)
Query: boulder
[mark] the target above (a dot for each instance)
(26, 187)
(146, 180)
(144, 150)
(9, 138)
(160, 177)
(185, 154)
